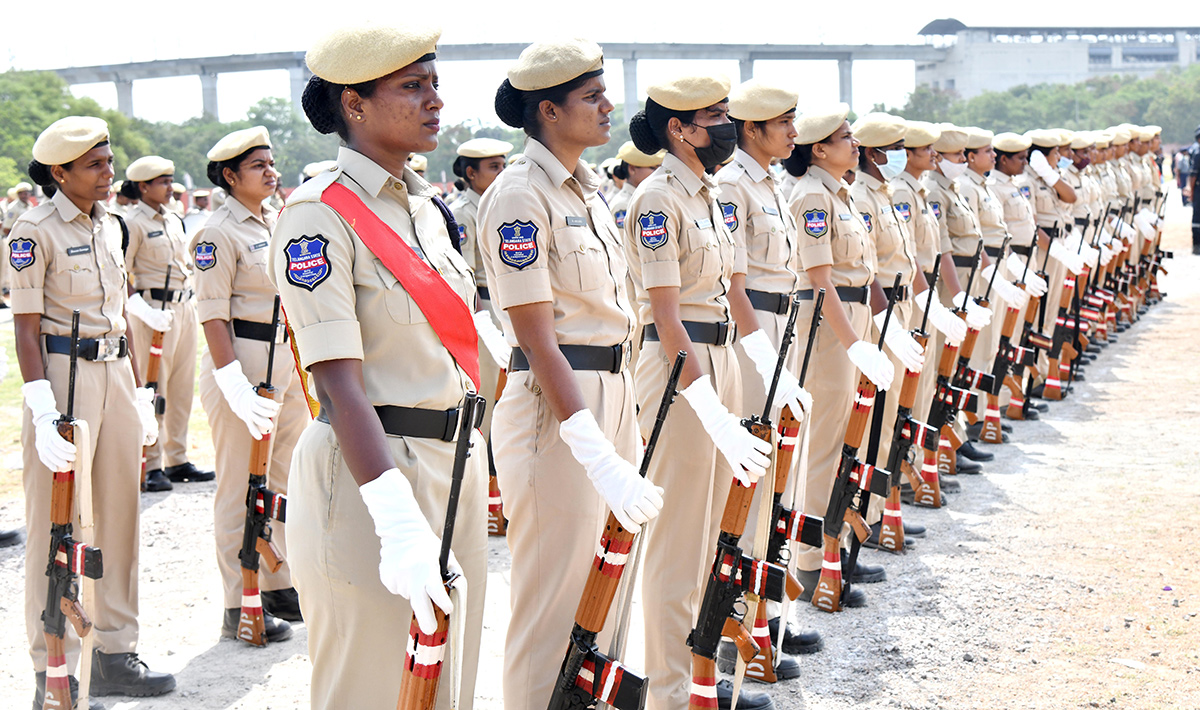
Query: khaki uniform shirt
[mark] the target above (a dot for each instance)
(1018, 213)
(547, 236)
(984, 205)
(895, 252)
(618, 204)
(921, 222)
(756, 213)
(962, 233)
(939, 193)
(13, 211)
(230, 258)
(354, 308)
(1082, 207)
(1124, 182)
(1047, 208)
(466, 211)
(62, 260)
(156, 240)
(678, 237)
(832, 231)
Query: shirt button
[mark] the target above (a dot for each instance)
(537, 389)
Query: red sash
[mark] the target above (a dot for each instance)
(445, 310)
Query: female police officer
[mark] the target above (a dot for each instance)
(392, 362)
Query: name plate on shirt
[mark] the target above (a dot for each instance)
(704, 223)
(573, 221)
(770, 210)
(260, 245)
(151, 235)
(844, 217)
(82, 249)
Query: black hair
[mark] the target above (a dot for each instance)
(621, 171)
(519, 108)
(460, 185)
(1042, 149)
(216, 168)
(863, 161)
(1005, 154)
(461, 163)
(130, 190)
(40, 172)
(798, 163)
(648, 127)
(322, 102)
(740, 125)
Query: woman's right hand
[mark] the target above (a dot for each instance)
(633, 499)
(873, 363)
(54, 451)
(256, 412)
(746, 453)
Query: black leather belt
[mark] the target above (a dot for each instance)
(484, 293)
(1051, 232)
(171, 295)
(905, 292)
(846, 294)
(706, 333)
(777, 303)
(253, 330)
(964, 261)
(1021, 249)
(418, 423)
(993, 252)
(1081, 221)
(612, 358)
(94, 349)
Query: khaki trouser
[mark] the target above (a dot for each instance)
(832, 385)
(933, 355)
(357, 630)
(104, 399)
(176, 382)
(902, 317)
(489, 375)
(233, 442)
(555, 521)
(682, 540)
(1056, 276)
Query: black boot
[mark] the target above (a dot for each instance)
(966, 466)
(276, 629)
(8, 538)
(126, 674)
(156, 481)
(856, 597)
(970, 451)
(39, 694)
(283, 603)
(796, 642)
(786, 668)
(746, 699)
(873, 539)
(864, 573)
(187, 471)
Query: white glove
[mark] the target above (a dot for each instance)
(978, 317)
(902, 345)
(1145, 221)
(54, 451)
(1039, 165)
(1088, 254)
(492, 338)
(1016, 266)
(143, 401)
(1059, 252)
(788, 392)
(257, 412)
(1010, 293)
(948, 324)
(159, 320)
(1106, 255)
(1123, 230)
(1035, 285)
(746, 453)
(408, 549)
(871, 361)
(633, 499)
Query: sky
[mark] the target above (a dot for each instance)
(221, 27)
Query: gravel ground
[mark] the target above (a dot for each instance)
(1061, 578)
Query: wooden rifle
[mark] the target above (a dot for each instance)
(587, 676)
(967, 377)
(1009, 366)
(153, 364)
(497, 524)
(948, 398)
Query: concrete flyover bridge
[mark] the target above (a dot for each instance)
(210, 68)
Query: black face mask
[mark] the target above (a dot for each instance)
(722, 140)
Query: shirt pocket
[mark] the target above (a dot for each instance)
(849, 242)
(702, 258)
(958, 222)
(77, 273)
(768, 240)
(400, 305)
(581, 263)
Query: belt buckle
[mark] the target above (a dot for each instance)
(725, 333)
(452, 417)
(107, 349)
(621, 355)
(280, 333)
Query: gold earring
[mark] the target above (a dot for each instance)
(358, 117)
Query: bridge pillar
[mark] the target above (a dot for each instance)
(845, 80)
(632, 99)
(298, 77)
(125, 96)
(208, 92)
(746, 67)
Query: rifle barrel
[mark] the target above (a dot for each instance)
(462, 452)
(74, 364)
(789, 333)
(812, 333)
(937, 269)
(274, 338)
(887, 317)
(664, 406)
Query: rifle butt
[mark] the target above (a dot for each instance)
(762, 666)
(251, 625)
(828, 594)
(992, 432)
(946, 451)
(1016, 402)
(1053, 386)
(737, 508)
(928, 494)
(891, 529)
(423, 664)
(497, 525)
(58, 684)
(703, 694)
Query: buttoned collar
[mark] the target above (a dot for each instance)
(556, 171)
(753, 170)
(941, 180)
(69, 212)
(911, 182)
(471, 196)
(242, 213)
(873, 183)
(143, 208)
(1002, 178)
(835, 185)
(679, 170)
(977, 178)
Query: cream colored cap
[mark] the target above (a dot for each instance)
(952, 140)
(1010, 142)
(22, 187)
(546, 64)
(177, 188)
(978, 138)
(690, 93)
(1153, 130)
(369, 50)
(202, 193)
(1120, 135)
(238, 142)
(1042, 138)
(630, 154)
(12, 193)
(1065, 136)
(918, 134)
(816, 126)
(1082, 139)
(314, 169)
(418, 163)
(68, 138)
(879, 129)
(1143, 134)
(1103, 139)
(484, 148)
(755, 100)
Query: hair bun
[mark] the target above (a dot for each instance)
(642, 134)
(40, 173)
(315, 101)
(510, 105)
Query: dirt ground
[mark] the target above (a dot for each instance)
(1064, 577)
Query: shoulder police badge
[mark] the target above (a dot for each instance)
(462, 234)
(20, 253)
(518, 243)
(729, 213)
(654, 229)
(867, 221)
(904, 209)
(1025, 191)
(816, 223)
(936, 208)
(308, 266)
(205, 256)
(619, 217)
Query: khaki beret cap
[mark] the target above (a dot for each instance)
(314, 169)
(22, 187)
(690, 93)
(116, 186)
(12, 193)
(369, 50)
(1064, 136)
(1154, 130)
(546, 64)
(1120, 136)
(878, 129)
(201, 193)
(978, 138)
(816, 126)
(238, 142)
(418, 163)
(68, 138)
(755, 100)
(177, 188)
(484, 148)
(1010, 142)
(1103, 139)
(918, 134)
(1082, 139)
(1143, 134)
(952, 140)
(630, 154)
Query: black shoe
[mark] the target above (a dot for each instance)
(968, 450)
(967, 466)
(746, 699)
(8, 538)
(974, 430)
(126, 674)
(4, 305)
(283, 603)
(156, 481)
(187, 471)
(39, 694)
(1095, 347)
(864, 573)
(872, 540)
(948, 485)
(276, 629)
(785, 669)
(913, 530)
(1038, 391)
(1032, 414)
(808, 579)
(1041, 406)
(797, 642)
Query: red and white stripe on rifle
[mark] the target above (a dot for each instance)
(611, 675)
(424, 652)
(611, 556)
(788, 437)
